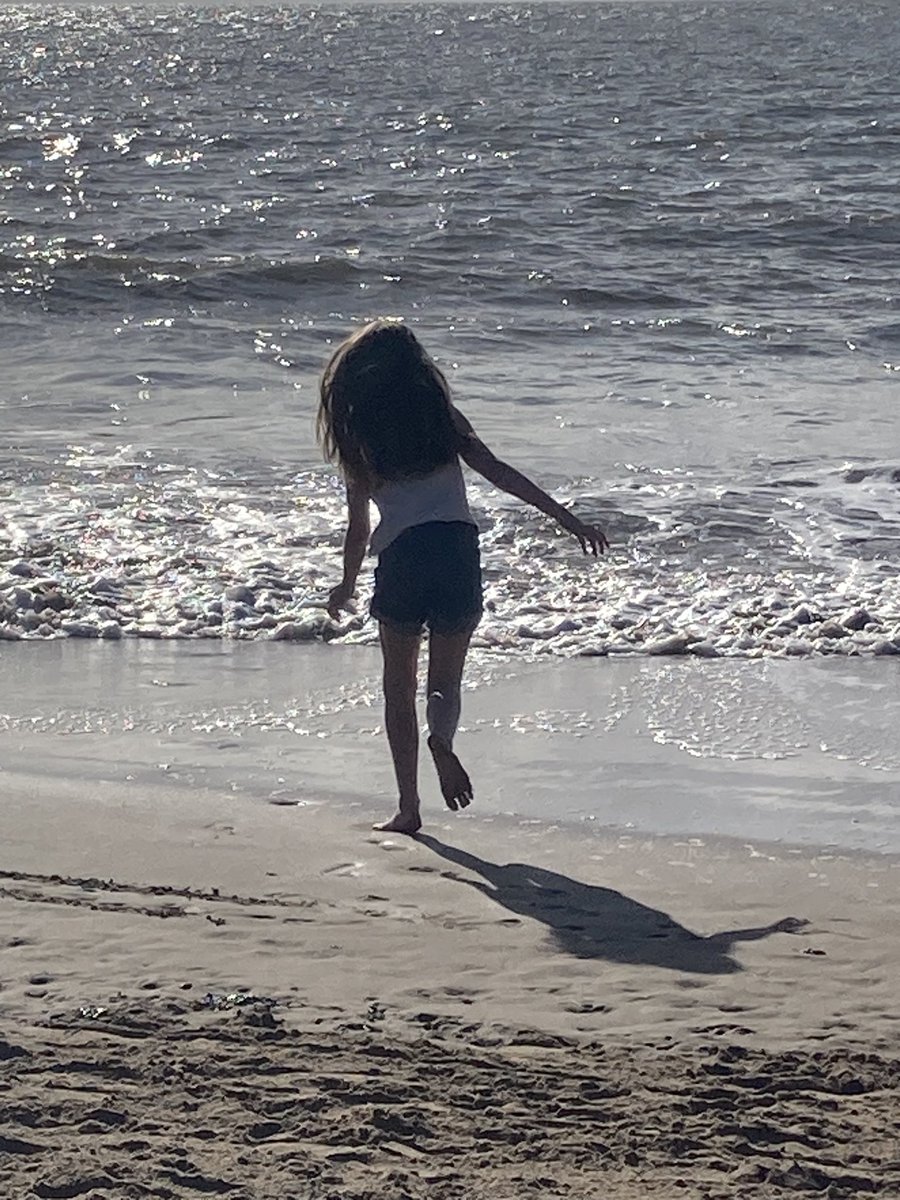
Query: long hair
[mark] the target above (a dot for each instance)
(384, 409)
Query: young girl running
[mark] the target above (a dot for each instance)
(386, 418)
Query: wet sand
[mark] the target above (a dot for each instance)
(774, 751)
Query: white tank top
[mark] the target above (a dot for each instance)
(403, 503)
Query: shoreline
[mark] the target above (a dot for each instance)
(788, 752)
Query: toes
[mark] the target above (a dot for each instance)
(456, 787)
(463, 798)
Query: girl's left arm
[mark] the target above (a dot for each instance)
(476, 454)
(356, 540)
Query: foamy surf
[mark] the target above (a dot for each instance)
(123, 545)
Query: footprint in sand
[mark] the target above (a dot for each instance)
(345, 868)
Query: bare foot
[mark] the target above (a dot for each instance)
(456, 786)
(401, 823)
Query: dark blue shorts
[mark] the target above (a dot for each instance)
(430, 575)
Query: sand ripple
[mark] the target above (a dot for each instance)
(177, 1099)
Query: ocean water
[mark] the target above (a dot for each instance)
(654, 246)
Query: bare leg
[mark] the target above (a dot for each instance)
(446, 658)
(401, 660)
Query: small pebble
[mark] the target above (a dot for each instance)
(856, 618)
(704, 650)
(240, 612)
(53, 600)
(676, 644)
(831, 629)
(802, 616)
(81, 629)
(103, 585)
(240, 594)
(797, 647)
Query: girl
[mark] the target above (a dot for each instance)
(386, 418)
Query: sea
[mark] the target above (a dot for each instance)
(654, 246)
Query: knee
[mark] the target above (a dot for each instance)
(444, 693)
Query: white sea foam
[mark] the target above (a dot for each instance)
(123, 546)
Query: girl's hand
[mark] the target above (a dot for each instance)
(339, 597)
(591, 538)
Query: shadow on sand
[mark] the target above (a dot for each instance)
(598, 922)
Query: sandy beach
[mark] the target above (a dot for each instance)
(207, 993)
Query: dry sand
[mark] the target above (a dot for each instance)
(207, 996)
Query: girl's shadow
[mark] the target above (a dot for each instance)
(598, 922)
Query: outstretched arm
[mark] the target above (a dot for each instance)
(355, 541)
(480, 458)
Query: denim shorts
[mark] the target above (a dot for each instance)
(430, 575)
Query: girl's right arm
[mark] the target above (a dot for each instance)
(355, 541)
(480, 458)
